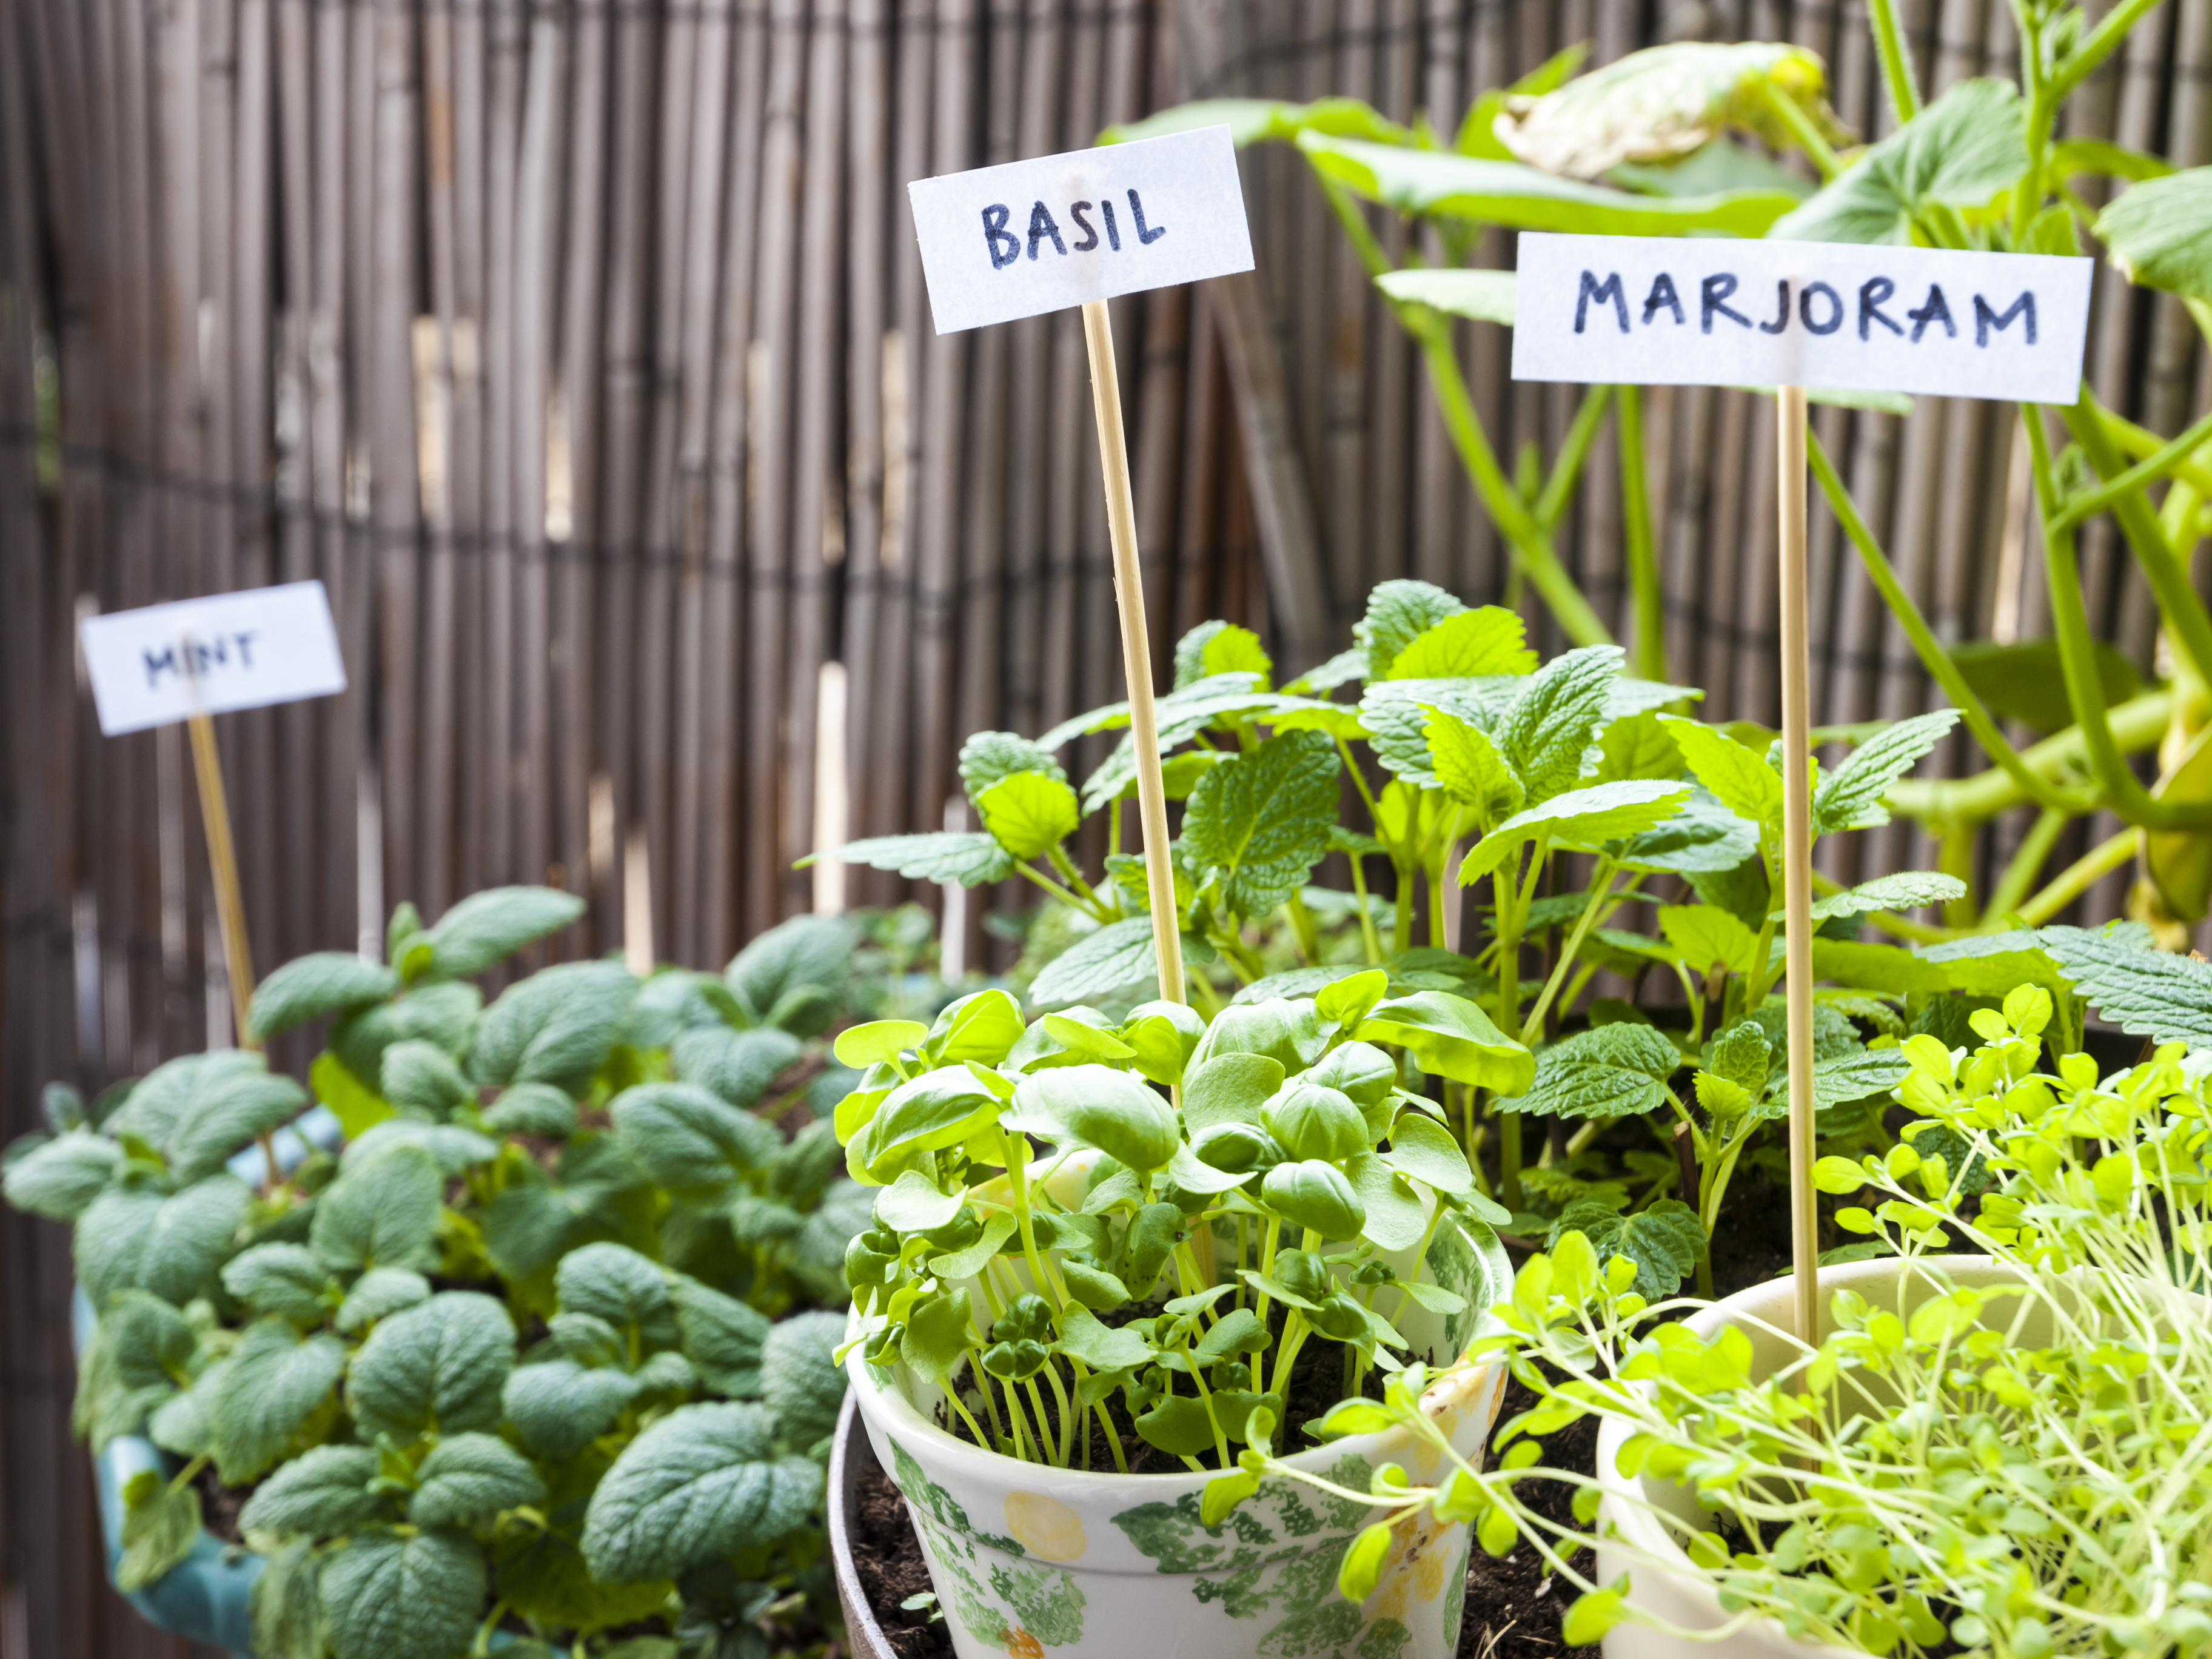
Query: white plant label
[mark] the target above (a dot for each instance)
(1706, 311)
(1030, 237)
(246, 650)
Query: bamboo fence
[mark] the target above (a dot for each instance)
(579, 348)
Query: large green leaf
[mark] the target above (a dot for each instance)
(691, 1140)
(558, 1407)
(134, 1238)
(628, 1291)
(2144, 992)
(1118, 956)
(1450, 1036)
(1546, 733)
(556, 1027)
(469, 1479)
(2025, 682)
(273, 1381)
(988, 757)
(1485, 296)
(160, 1524)
(1263, 818)
(321, 1493)
(2159, 232)
(970, 858)
(381, 1212)
(485, 929)
(436, 1369)
(199, 1110)
(322, 982)
(1662, 103)
(799, 1382)
(1960, 152)
(386, 1596)
(1851, 797)
(1399, 612)
(1029, 812)
(1523, 199)
(703, 1482)
(1736, 775)
(136, 1360)
(1664, 1240)
(1581, 818)
(60, 1178)
(1486, 640)
(1609, 1071)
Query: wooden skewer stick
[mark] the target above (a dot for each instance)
(1136, 647)
(1797, 855)
(229, 904)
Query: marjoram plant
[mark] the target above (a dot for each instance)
(2017, 1467)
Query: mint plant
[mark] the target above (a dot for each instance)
(1994, 1466)
(1289, 1191)
(512, 1358)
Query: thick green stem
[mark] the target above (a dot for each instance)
(1601, 892)
(1636, 530)
(1566, 470)
(1800, 127)
(2137, 725)
(1531, 548)
(2189, 624)
(2123, 790)
(2020, 872)
(2097, 45)
(2073, 881)
(1368, 936)
(2165, 459)
(1896, 60)
(1932, 654)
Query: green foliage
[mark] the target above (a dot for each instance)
(579, 1161)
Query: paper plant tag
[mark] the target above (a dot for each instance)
(244, 650)
(1700, 311)
(1030, 237)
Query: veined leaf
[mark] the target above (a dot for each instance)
(1485, 296)
(1907, 889)
(1739, 778)
(1487, 641)
(1263, 818)
(1582, 818)
(1117, 956)
(2156, 233)
(1546, 734)
(1522, 199)
(1849, 798)
(1469, 767)
(705, 1481)
(1609, 1071)
(1960, 152)
(1664, 1240)
(988, 757)
(1028, 812)
(1399, 612)
(1450, 1036)
(2146, 992)
(970, 858)
(1708, 937)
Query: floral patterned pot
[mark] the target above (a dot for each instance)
(1031, 1561)
(1679, 1593)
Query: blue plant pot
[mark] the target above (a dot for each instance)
(203, 1597)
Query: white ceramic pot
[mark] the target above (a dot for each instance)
(1030, 1560)
(1679, 1593)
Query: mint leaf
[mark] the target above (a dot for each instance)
(285, 1279)
(1395, 716)
(1581, 818)
(1739, 778)
(1907, 889)
(422, 1081)
(722, 1337)
(378, 1293)
(272, 1382)
(485, 929)
(1664, 1240)
(988, 757)
(286, 1606)
(60, 1178)
(323, 982)
(1468, 768)
(1117, 956)
(691, 1142)
(558, 1407)
(1029, 812)
(132, 1237)
(1703, 838)
(1489, 640)
(436, 1369)
(703, 1482)
(1546, 736)
(321, 1493)
(442, 1014)
(1609, 1071)
(971, 858)
(738, 1066)
(797, 975)
(1263, 818)
(381, 1212)
(799, 1381)
(469, 1479)
(389, 1597)
(199, 1110)
(1849, 798)
(1398, 613)
(2145, 992)
(1709, 938)
(160, 1524)
(136, 1360)
(555, 1027)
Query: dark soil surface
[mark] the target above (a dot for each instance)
(887, 1558)
(1513, 1606)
